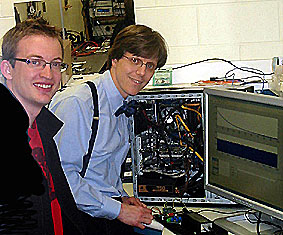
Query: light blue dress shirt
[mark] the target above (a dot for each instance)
(74, 106)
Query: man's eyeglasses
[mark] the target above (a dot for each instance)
(41, 64)
(138, 62)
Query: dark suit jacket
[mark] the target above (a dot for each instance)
(48, 126)
(24, 190)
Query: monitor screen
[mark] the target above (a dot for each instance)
(244, 148)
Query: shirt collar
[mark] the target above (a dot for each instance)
(114, 96)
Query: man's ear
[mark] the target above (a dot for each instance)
(114, 62)
(6, 69)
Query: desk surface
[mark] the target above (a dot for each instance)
(206, 213)
(230, 218)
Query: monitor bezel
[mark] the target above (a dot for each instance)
(226, 193)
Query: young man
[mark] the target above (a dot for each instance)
(35, 197)
(136, 53)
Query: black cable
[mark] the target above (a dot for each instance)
(159, 131)
(164, 131)
(258, 218)
(257, 221)
(251, 70)
(220, 212)
(255, 76)
(86, 17)
(245, 69)
(258, 224)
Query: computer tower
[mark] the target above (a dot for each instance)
(167, 147)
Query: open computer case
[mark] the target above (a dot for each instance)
(167, 147)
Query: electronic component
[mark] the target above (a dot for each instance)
(183, 222)
(103, 11)
(162, 77)
(167, 148)
(104, 30)
(99, 3)
(170, 216)
(103, 16)
(196, 223)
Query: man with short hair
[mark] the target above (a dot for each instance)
(35, 197)
(135, 55)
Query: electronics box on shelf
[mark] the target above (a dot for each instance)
(167, 147)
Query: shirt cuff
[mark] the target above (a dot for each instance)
(125, 194)
(112, 208)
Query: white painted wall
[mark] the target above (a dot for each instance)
(231, 29)
(249, 31)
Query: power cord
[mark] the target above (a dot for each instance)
(259, 74)
(245, 69)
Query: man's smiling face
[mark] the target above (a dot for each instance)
(34, 87)
(129, 78)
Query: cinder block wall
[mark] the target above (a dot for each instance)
(231, 29)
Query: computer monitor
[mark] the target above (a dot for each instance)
(244, 148)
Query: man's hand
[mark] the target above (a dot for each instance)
(133, 201)
(133, 212)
